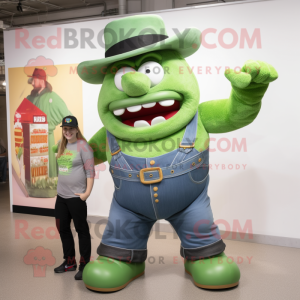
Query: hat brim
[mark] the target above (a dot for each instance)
(92, 71)
(69, 125)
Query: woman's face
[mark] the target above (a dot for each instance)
(70, 132)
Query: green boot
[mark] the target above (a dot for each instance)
(108, 275)
(217, 272)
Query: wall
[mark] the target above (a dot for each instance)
(265, 191)
(3, 120)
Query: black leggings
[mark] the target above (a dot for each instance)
(76, 209)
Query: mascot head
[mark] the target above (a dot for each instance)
(148, 90)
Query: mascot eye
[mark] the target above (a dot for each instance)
(119, 74)
(153, 70)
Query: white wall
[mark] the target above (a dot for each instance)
(267, 191)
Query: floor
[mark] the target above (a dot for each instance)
(267, 272)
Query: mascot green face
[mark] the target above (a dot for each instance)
(144, 95)
(147, 100)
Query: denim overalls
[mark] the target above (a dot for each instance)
(172, 186)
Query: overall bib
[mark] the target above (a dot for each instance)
(173, 187)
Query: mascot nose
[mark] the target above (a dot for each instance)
(135, 84)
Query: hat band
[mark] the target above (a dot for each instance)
(134, 43)
(39, 76)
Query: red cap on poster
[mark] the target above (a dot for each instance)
(29, 113)
(39, 73)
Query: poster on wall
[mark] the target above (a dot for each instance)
(32, 151)
(41, 95)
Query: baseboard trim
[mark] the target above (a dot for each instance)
(165, 227)
(227, 235)
(29, 210)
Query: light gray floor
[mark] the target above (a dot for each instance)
(273, 273)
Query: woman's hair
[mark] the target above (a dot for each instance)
(63, 142)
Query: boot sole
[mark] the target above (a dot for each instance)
(70, 270)
(113, 289)
(213, 287)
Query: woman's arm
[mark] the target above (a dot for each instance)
(89, 187)
(87, 157)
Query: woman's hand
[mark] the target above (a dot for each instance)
(83, 196)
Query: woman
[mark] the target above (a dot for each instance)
(75, 181)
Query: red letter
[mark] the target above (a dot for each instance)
(52, 237)
(255, 36)
(219, 144)
(55, 38)
(234, 35)
(231, 259)
(211, 140)
(35, 231)
(84, 70)
(218, 69)
(227, 70)
(227, 229)
(73, 71)
(38, 39)
(239, 146)
(204, 33)
(190, 70)
(21, 39)
(94, 69)
(236, 227)
(81, 145)
(103, 72)
(239, 261)
(249, 258)
(19, 230)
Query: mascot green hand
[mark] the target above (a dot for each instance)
(156, 141)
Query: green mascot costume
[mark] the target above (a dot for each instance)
(155, 139)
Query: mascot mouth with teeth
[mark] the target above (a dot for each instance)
(156, 137)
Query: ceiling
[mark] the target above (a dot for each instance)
(43, 11)
(9, 7)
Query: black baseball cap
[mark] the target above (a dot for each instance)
(69, 121)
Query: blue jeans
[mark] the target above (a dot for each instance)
(3, 167)
(126, 234)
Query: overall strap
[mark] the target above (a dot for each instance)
(188, 141)
(115, 151)
(113, 144)
(189, 137)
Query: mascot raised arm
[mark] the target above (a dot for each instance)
(156, 141)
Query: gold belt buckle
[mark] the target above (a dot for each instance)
(142, 177)
(183, 146)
